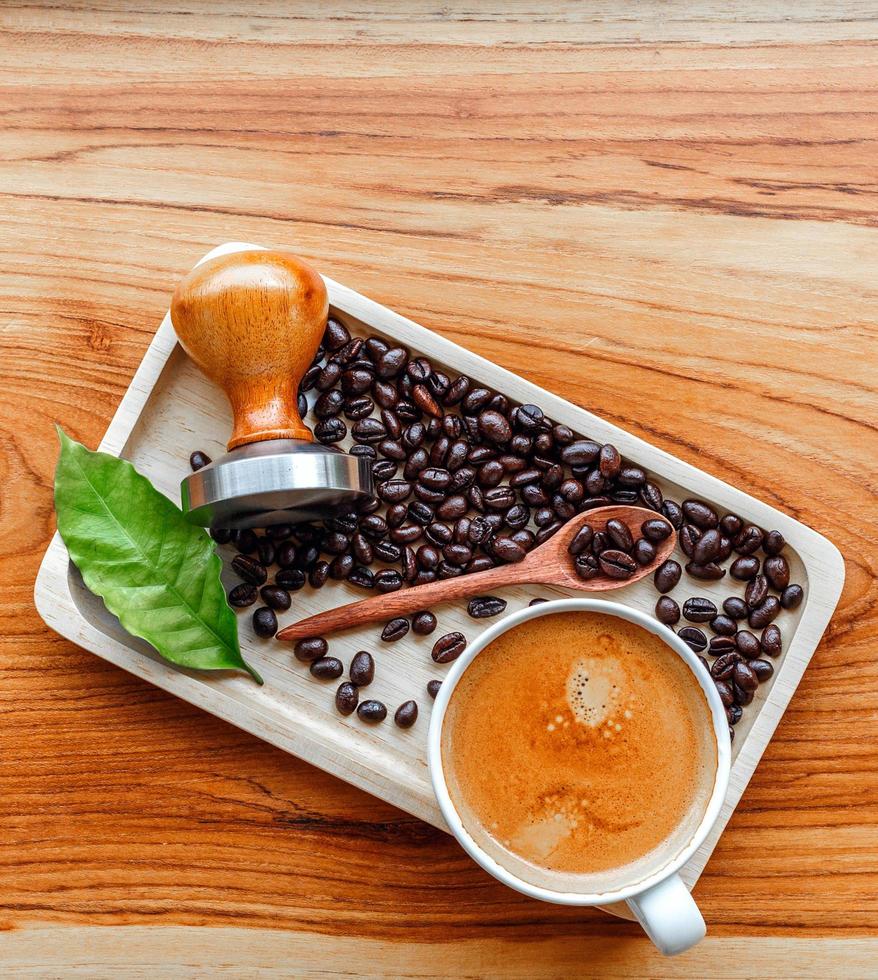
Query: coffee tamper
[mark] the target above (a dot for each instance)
(252, 321)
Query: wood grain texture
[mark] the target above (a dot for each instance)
(554, 187)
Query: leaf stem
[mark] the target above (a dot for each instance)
(253, 673)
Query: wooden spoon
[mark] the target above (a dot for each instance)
(549, 564)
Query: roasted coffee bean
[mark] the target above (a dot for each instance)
(482, 607)
(438, 383)
(699, 610)
(581, 540)
(440, 533)
(388, 580)
(537, 602)
(198, 460)
(222, 535)
(335, 543)
(745, 677)
(745, 568)
(462, 479)
(387, 551)
(310, 648)
(756, 591)
(362, 549)
(490, 474)
(708, 572)
(624, 496)
(396, 629)
(731, 525)
(249, 569)
(673, 512)
(655, 529)
(667, 611)
(448, 647)
(275, 597)
(358, 408)
(371, 711)
(573, 492)
(707, 547)
(528, 475)
(747, 644)
(494, 427)
(423, 623)
(327, 668)
(518, 516)
(651, 496)
(336, 335)
(362, 669)
(447, 570)
(291, 579)
(609, 461)
(733, 714)
(452, 507)
(457, 391)
(748, 540)
(617, 564)
(724, 666)
(409, 565)
(433, 688)
(392, 449)
(428, 557)
(408, 411)
(329, 404)
(499, 498)
(457, 554)
(475, 399)
(406, 714)
(420, 513)
(773, 543)
(309, 379)
(580, 453)
(362, 577)
(619, 534)
(413, 437)
(406, 534)
(394, 491)
(264, 622)
(368, 431)
(777, 570)
(340, 567)
(546, 532)
(245, 540)
(563, 510)
(701, 514)
(771, 641)
(720, 645)
(265, 551)
(425, 401)
(391, 362)
(735, 608)
(346, 698)
(318, 575)
(363, 452)
(329, 376)
(534, 496)
(763, 669)
(428, 496)
(307, 557)
(544, 516)
(434, 477)
(329, 431)
(600, 542)
(667, 575)
(243, 595)
(723, 625)
(726, 695)
(791, 597)
(631, 476)
(373, 526)
(385, 394)
(587, 567)
(375, 347)
(688, 538)
(391, 422)
(396, 515)
(643, 552)
(694, 638)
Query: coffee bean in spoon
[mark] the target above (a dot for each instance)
(655, 529)
(587, 567)
(617, 564)
(643, 552)
(620, 534)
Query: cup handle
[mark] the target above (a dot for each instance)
(669, 915)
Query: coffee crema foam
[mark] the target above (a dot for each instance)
(579, 752)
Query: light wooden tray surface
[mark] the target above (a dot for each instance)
(171, 409)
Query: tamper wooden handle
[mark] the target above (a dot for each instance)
(252, 321)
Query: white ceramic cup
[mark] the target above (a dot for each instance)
(660, 901)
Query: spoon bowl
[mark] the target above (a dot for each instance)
(549, 564)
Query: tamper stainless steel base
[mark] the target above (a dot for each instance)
(280, 481)
(252, 321)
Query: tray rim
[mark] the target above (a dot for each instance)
(822, 561)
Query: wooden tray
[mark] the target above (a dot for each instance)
(171, 409)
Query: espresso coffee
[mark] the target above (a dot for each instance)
(579, 751)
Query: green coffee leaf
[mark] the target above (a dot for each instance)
(155, 571)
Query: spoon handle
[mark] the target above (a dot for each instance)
(384, 607)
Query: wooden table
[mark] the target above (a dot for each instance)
(664, 212)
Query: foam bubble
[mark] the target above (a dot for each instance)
(592, 691)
